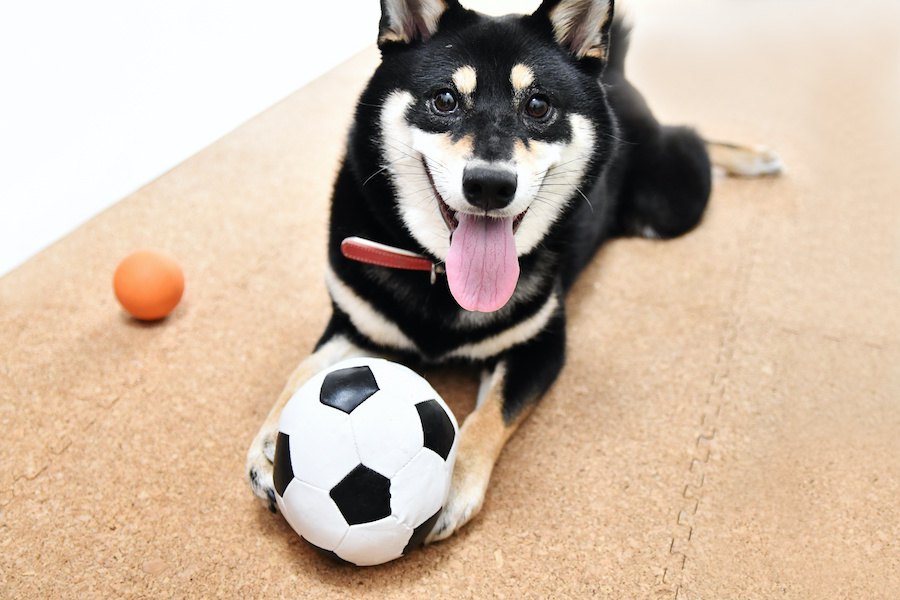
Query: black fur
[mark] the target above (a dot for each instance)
(643, 175)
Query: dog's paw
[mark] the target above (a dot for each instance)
(465, 501)
(260, 459)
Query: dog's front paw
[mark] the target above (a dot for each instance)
(465, 500)
(260, 459)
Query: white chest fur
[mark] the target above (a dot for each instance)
(374, 325)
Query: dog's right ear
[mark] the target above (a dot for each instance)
(408, 21)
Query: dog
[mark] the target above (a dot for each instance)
(504, 151)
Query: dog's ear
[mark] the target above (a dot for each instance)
(580, 26)
(408, 21)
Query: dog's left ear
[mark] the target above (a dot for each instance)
(408, 21)
(580, 26)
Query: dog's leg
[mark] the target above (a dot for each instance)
(262, 451)
(505, 399)
(744, 161)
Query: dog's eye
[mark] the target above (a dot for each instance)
(444, 102)
(537, 107)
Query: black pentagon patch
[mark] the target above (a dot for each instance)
(284, 472)
(437, 427)
(421, 532)
(345, 389)
(363, 496)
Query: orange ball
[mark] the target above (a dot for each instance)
(148, 285)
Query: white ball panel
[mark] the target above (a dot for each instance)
(323, 450)
(420, 488)
(388, 432)
(403, 381)
(313, 514)
(424, 391)
(374, 543)
(303, 405)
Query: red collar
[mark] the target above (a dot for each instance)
(373, 253)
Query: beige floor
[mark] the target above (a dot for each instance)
(726, 426)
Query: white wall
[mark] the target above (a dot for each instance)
(99, 97)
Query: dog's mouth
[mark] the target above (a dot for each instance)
(451, 216)
(482, 264)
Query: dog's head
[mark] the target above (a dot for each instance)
(487, 128)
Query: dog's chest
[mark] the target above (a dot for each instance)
(394, 316)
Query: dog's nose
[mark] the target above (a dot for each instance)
(489, 187)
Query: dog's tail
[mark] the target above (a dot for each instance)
(740, 160)
(734, 159)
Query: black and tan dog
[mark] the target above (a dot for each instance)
(505, 150)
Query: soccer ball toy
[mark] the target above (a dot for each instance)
(363, 460)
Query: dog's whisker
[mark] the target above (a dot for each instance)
(612, 136)
(401, 151)
(434, 165)
(558, 174)
(545, 201)
(384, 167)
(437, 165)
(412, 173)
(562, 164)
(430, 159)
(545, 183)
(423, 190)
(590, 206)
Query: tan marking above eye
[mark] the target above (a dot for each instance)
(465, 79)
(521, 77)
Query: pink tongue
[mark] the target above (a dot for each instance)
(482, 266)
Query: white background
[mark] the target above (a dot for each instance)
(99, 97)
